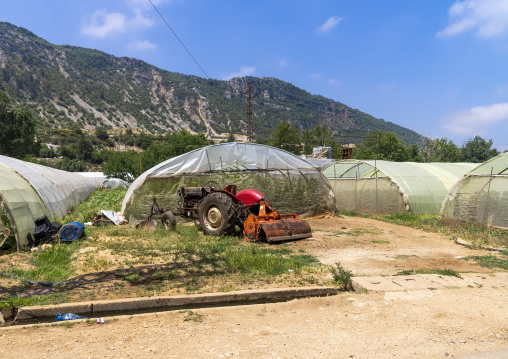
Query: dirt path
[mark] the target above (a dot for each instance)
(419, 324)
(409, 324)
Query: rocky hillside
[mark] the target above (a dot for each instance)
(66, 84)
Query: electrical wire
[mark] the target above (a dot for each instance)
(174, 33)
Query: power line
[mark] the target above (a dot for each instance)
(174, 33)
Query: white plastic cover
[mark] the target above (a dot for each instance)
(481, 196)
(22, 205)
(425, 185)
(266, 169)
(60, 191)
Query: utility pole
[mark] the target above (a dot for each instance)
(249, 112)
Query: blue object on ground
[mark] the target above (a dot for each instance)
(68, 316)
(71, 231)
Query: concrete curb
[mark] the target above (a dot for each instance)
(169, 302)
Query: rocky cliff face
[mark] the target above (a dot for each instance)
(66, 84)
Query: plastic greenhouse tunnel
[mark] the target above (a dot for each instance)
(289, 183)
(481, 195)
(390, 187)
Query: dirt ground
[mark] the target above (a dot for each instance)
(370, 247)
(408, 324)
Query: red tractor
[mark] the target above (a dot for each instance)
(219, 211)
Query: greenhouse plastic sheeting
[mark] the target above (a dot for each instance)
(114, 183)
(291, 184)
(482, 195)
(96, 177)
(60, 191)
(415, 187)
(22, 205)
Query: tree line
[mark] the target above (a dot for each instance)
(128, 153)
(382, 146)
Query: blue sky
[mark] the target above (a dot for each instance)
(437, 67)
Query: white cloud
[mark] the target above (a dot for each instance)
(283, 63)
(476, 119)
(244, 71)
(488, 17)
(141, 46)
(102, 23)
(329, 24)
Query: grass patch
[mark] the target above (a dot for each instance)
(448, 272)
(108, 199)
(476, 233)
(51, 265)
(379, 241)
(490, 261)
(405, 256)
(177, 261)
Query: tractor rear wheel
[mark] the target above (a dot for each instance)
(217, 214)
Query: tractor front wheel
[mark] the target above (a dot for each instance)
(217, 214)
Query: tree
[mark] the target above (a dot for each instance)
(369, 148)
(101, 133)
(413, 154)
(384, 146)
(318, 136)
(392, 148)
(231, 137)
(122, 165)
(17, 130)
(478, 150)
(287, 137)
(441, 150)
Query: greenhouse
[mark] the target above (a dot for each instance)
(29, 191)
(390, 187)
(482, 195)
(289, 183)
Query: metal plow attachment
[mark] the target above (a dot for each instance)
(288, 227)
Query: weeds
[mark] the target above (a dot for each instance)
(342, 276)
(191, 316)
(490, 261)
(448, 272)
(476, 233)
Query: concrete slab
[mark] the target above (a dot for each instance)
(486, 280)
(444, 281)
(412, 282)
(376, 283)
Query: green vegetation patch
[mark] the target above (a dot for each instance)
(107, 199)
(476, 233)
(448, 272)
(490, 261)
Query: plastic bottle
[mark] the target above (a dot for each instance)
(68, 316)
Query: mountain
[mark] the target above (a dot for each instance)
(67, 84)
